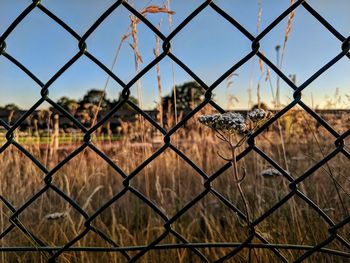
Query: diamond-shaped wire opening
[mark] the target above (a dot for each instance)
(200, 144)
(252, 84)
(17, 167)
(52, 219)
(136, 132)
(130, 221)
(245, 12)
(210, 221)
(189, 93)
(314, 56)
(43, 32)
(89, 180)
(9, 12)
(205, 147)
(87, 97)
(194, 47)
(41, 135)
(149, 83)
(329, 188)
(166, 188)
(213, 222)
(263, 185)
(22, 94)
(295, 222)
(71, 15)
(331, 102)
(133, 46)
(329, 10)
(296, 141)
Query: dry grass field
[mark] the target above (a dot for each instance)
(170, 183)
(296, 143)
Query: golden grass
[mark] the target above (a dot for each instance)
(170, 183)
(91, 182)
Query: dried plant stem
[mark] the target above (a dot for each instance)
(124, 37)
(160, 106)
(170, 22)
(281, 57)
(258, 23)
(238, 179)
(258, 95)
(176, 139)
(286, 36)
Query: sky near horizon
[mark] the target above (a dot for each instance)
(209, 45)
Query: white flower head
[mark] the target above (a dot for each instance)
(257, 115)
(230, 122)
(270, 172)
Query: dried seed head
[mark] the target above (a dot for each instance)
(230, 122)
(56, 216)
(257, 115)
(270, 172)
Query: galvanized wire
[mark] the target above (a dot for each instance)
(55, 252)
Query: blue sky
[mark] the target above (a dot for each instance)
(209, 45)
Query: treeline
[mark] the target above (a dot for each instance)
(95, 103)
(188, 95)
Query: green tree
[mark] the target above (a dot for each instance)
(94, 97)
(68, 104)
(125, 106)
(188, 96)
(11, 107)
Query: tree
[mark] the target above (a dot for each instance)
(125, 106)
(94, 97)
(68, 104)
(11, 107)
(188, 96)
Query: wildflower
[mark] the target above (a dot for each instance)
(257, 115)
(270, 172)
(56, 215)
(230, 122)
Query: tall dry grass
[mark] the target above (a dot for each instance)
(171, 183)
(90, 181)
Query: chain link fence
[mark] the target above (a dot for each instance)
(334, 228)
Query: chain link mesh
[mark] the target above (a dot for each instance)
(294, 190)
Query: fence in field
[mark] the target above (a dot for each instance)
(334, 228)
